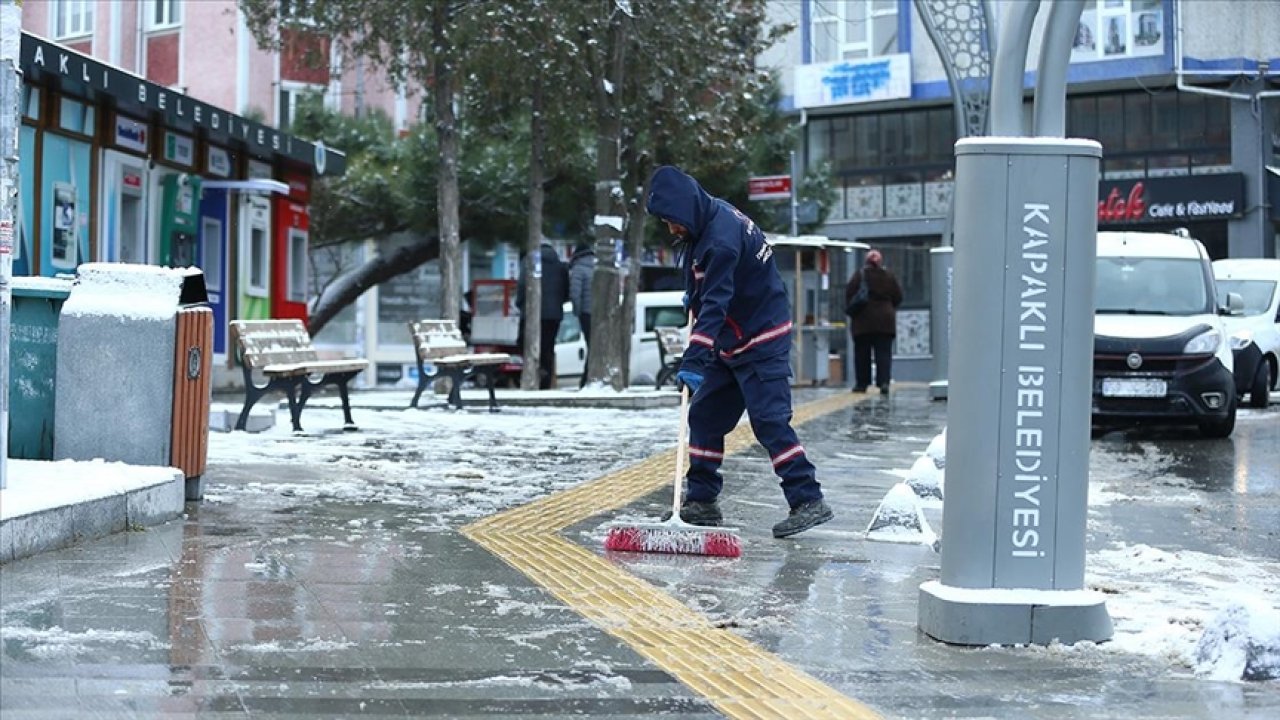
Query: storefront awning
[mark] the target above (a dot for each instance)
(258, 185)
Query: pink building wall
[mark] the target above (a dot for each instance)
(208, 56)
(211, 59)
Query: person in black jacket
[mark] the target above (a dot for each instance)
(582, 267)
(555, 291)
(876, 325)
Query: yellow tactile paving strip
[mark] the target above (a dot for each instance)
(742, 680)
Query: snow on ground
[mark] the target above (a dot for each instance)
(1190, 609)
(461, 465)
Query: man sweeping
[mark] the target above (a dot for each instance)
(738, 357)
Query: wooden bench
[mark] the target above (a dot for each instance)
(442, 352)
(671, 346)
(281, 350)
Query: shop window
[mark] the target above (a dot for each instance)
(1191, 129)
(31, 96)
(819, 141)
(1168, 165)
(72, 18)
(942, 135)
(1217, 121)
(1206, 163)
(866, 134)
(1123, 168)
(915, 137)
(75, 116)
(891, 139)
(842, 145)
(211, 234)
(296, 290)
(1082, 117)
(1137, 121)
(163, 14)
(853, 29)
(258, 259)
(1164, 121)
(1111, 122)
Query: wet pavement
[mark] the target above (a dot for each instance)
(327, 575)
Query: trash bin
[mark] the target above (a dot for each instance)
(192, 382)
(133, 369)
(33, 347)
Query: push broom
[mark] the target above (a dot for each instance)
(675, 535)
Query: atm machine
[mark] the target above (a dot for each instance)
(123, 221)
(179, 213)
(289, 276)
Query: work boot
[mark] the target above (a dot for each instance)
(694, 512)
(807, 515)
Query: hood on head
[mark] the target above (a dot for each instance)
(676, 197)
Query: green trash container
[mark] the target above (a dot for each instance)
(33, 364)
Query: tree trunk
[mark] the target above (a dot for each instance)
(351, 285)
(609, 325)
(533, 245)
(447, 189)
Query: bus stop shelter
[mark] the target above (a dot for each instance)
(807, 264)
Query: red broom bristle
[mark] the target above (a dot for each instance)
(674, 540)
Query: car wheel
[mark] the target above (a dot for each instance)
(1260, 391)
(1220, 427)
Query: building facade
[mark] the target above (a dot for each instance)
(1184, 97)
(157, 131)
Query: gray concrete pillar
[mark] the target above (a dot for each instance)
(1018, 413)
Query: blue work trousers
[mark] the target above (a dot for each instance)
(763, 389)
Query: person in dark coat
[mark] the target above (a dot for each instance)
(582, 267)
(555, 291)
(739, 352)
(874, 328)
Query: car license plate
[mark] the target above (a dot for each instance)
(1120, 387)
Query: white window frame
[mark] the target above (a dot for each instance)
(298, 275)
(170, 14)
(829, 17)
(295, 90)
(257, 215)
(61, 16)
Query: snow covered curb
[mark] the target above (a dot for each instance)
(48, 505)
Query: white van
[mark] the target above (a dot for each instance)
(1255, 335)
(1160, 345)
(653, 309)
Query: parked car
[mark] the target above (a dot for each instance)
(1254, 336)
(1160, 344)
(653, 309)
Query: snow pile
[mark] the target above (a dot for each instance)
(134, 292)
(926, 480)
(899, 519)
(938, 449)
(1241, 643)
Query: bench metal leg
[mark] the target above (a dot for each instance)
(422, 385)
(489, 373)
(664, 375)
(251, 397)
(349, 424)
(455, 376)
(424, 379)
(296, 404)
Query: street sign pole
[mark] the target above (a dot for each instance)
(795, 201)
(1018, 412)
(10, 93)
